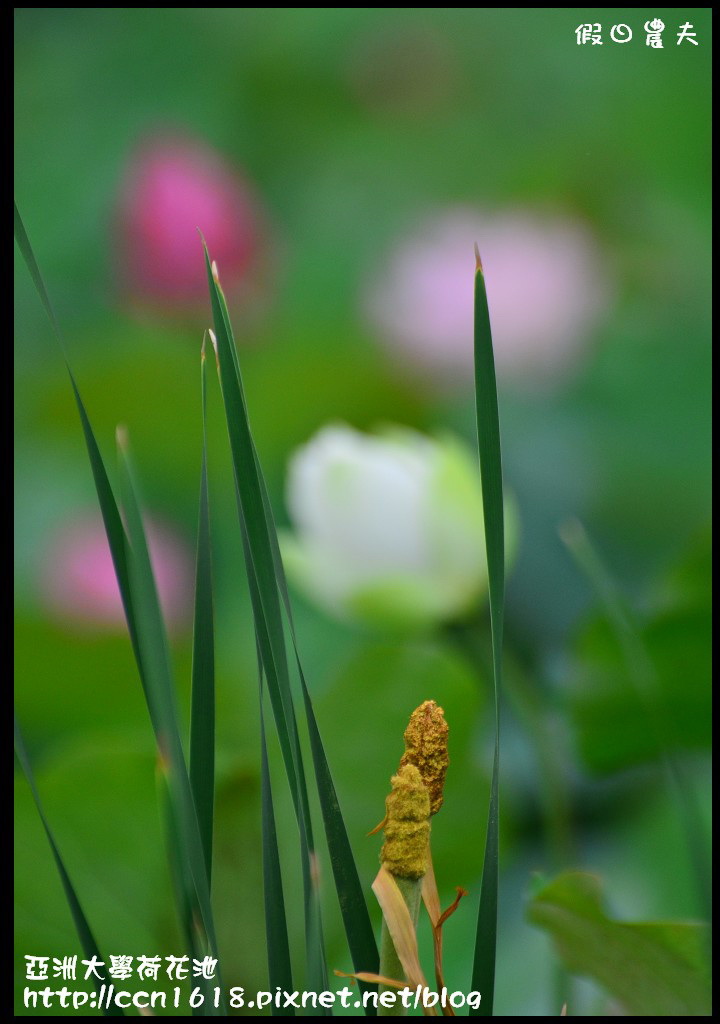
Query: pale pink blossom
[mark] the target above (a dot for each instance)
(172, 187)
(78, 585)
(547, 287)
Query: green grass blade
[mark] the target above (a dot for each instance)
(202, 713)
(356, 919)
(108, 505)
(268, 614)
(261, 573)
(179, 876)
(488, 429)
(153, 646)
(352, 902)
(316, 966)
(278, 945)
(26, 249)
(112, 521)
(135, 579)
(85, 935)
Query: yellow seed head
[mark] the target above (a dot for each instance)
(426, 747)
(407, 828)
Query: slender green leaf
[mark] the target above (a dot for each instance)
(655, 969)
(108, 505)
(112, 521)
(358, 928)
(135, 579)
(160, 689)
(181, 882)
(356, 919)
(316, 966)
(28, 255)
(278, 946)
(488, 430)
(268, 618)
(202, 714)
(87, 939)
(258, 554)
(352, 902)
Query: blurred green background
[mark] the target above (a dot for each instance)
(351, 124)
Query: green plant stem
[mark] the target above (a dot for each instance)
(390, 966)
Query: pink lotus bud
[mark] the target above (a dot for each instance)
(174, 186)
(546, 284)
(78, 584)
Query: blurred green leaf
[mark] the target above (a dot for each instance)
(100, 793)
(84, 932)
(689, 582)
(60, 670)
(654, 969)
(648, 663)
(610, 714)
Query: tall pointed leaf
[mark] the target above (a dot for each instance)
(87, 939)
(278, 946)
(202, 712)
(262, 557)
(162, 701)
(488, 430)
(137, 587)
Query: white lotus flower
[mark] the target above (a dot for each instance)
(389, 528)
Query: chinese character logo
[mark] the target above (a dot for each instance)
(589, 34)
(621, 33)
(686, 32)
(654, 31)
